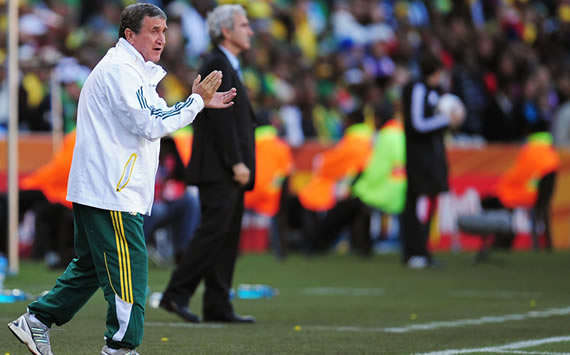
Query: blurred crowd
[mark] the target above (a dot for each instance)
(327, 71)
(315, 61)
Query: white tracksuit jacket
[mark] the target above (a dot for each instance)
(120, 120)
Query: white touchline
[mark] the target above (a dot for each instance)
(528, 352)
(483, 320)
(507, 348)
(449, 324)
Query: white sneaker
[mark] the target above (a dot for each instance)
(33, 333)
(109, 351)
(417, 262)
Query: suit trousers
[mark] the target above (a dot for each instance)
(212, 252)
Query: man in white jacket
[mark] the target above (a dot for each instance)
(120, 122)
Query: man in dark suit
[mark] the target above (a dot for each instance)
(222, 166)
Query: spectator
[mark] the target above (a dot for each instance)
(54, 220)
(334, 172)
(468, 84)
(561, 127)
(4, 102)
(359, 40)
(381, 186)
(42, 196)
(175, 207)
(518, 186)
(274, 163)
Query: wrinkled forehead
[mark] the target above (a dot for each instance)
(154, 23)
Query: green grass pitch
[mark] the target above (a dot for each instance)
(347, 305)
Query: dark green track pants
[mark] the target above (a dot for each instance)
(110, 253)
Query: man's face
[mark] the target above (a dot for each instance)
(240, 36)
(151, 39)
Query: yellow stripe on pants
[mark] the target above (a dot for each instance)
(128, 278)
(120, 255)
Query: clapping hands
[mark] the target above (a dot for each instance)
(207, 90)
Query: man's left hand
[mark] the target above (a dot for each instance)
(222, 99)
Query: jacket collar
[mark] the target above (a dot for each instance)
(234, 61)
(153, 72)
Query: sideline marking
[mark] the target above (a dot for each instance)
(483, 320)
(507, 348)
(448, 324)
(406, 329)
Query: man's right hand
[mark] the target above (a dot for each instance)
(241, 173)
(208, 87)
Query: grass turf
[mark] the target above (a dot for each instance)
(319, 296)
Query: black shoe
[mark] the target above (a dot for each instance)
(232, 318)
(182, 312)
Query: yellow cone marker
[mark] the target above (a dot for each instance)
(164, 339)
(297, 328)
(413, 316)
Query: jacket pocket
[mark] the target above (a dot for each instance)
(127, 172)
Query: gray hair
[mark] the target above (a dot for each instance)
(133, 15)
(222, 17)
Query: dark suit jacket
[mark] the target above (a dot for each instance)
(223, 138)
